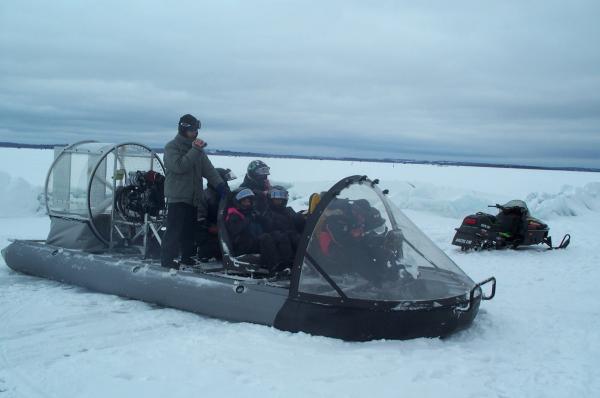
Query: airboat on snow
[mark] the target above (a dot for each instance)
(362, 270)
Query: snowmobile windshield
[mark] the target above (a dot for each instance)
(516, 204)
(366, 248)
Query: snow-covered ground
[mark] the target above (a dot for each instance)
(538, 338)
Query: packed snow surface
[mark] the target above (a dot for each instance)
(538, 338)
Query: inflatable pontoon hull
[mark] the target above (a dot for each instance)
(237, 299)
(218, 297)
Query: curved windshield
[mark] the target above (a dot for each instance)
(366, 248)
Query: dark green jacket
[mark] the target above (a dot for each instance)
(185, 167)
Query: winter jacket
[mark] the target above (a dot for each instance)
(210, 206)
(284, 219)
(244, 229)
(185, 167)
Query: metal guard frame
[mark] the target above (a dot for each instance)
(93, 173)
(90, 220)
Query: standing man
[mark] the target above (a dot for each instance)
(186, 164)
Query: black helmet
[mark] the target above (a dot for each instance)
(258, 170)
(366, 215)
(348, 219)
(279, 192)
(226, 174)
(188, 123)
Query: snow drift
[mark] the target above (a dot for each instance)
(18, 197)
(454, 202)
(570, 201)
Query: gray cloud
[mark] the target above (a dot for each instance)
(503, 82)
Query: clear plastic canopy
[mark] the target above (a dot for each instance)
(370, 250)
(84, 176)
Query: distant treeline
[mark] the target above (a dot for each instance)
(31, 146)
(347, 159)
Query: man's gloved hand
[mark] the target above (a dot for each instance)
(222, 190)
(198, 143)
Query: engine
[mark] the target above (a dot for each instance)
(144, 195)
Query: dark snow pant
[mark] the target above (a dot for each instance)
(180, 235)
(294, 238)
(275, 250)
(285, 246)
(269, 255)
(208, 243)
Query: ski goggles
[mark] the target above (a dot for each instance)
(189, 127)
(263, 171)
(279, 194)
(243, 194)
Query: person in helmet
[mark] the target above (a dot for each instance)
(207, 232)
(186, 164)
(351, 239)
(257, 179)
(281, 218)
(248, 234)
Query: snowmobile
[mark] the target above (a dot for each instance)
(362, 270)
(512, 227)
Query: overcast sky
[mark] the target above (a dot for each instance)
(503, 81)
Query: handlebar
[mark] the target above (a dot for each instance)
(477, 288)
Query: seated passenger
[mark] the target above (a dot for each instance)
(207, 238)
(350, 239)
(283, 219)
(257, 179)
(247, 232)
